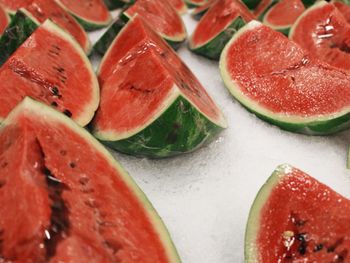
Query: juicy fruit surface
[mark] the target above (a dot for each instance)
(44, 9)
(284, 13)
(344, 9)
(289, 84)
(76, 206)
(218, 17)
(56, 82)
(302, 219)
(13, 5)
(4, 20)
(325, 34)
(136, 46)
(160, 15)
(91, 10)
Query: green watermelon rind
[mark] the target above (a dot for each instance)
(316, 125)
(213, 47)
(251, 4)
(308, 3)
(114, 4)
(87, 24)
(22, 25)
(252, 228)
(177, 127)
(191, 4)
(44, 111)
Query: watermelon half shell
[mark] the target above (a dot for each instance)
(295, 218)
(325, 34)
(151, 103)
(65, 199)
(4, 20)
(51, 71)
(283, 14)
(218, 26)
(281, 84)
(92, 14)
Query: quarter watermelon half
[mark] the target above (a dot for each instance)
(295, 218)
(92, 14)
(50, 66)
(4, 20)
(151, 103)
(325, 34)
(281, 84)
(65, 199)
(217, 27)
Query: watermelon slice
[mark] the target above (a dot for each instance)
(282, 84)
(217, 27)
(11, 6)
(4, 20)
(325, 34)
(91, 14)
(168, 113)
(44, 9)
(65, 199)
(344, 8)
(179, 5)
(295, 218)
(199, 11)
(162, 17)
(283, 14)
(51, 67)
(195, 3)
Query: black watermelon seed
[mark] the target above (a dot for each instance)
(54, 104)
(67, 113)
(72, 165)
(318, 247)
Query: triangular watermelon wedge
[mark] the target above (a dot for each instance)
(51, 71)
(282, 84)
(295, 218)
(325, 34)
(4, 20)
(64, 198)
(151, 103)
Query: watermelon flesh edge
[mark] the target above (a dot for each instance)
(308, 220)
(56, 82)
(325, 34)
(12, 6)
(291, 92)
(4, 20)
(75, 213)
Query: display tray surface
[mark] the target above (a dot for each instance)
(204, 197)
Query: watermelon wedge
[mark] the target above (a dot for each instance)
(162, 17)
(283, 85)
(179, 5)
(91, 14)
(51, 71)
(325, 34)
(195, 3)
(199, 11)
(295, 218)
(344, 8)
(168, 111)
(65, 199)
(4, 20)
(43, 9)
(11, 6)
(283, 14)
(217, 27)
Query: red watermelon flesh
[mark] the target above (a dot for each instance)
(13, 5)
(280, 78)
(284, 13)
(161, 16)
(179, 5)
(4, 20)
(344, 9)
(135, 45)
(44, 9)
(217, 18)
(67, 200)
(325, 34)
(50, 66)
(295, 218)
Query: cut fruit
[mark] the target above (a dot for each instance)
(295, 218)
(195, 3)
(325, 34)
(22, 25)
(168, 111)
(92, 14)
(114, 4)
(218, 26)
(63, 197)
(199, 11)
(162, 17)
(283, 14)
(179, 5)
(50, 66)
(262, 8)
(344, 8)
(11, 6)
(284, 86)
(4, 20)
(44, 9)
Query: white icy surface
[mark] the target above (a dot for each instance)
(204, 197)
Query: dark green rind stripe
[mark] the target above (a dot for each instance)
(19, 29)
(190, 4)
(308, 3)
(114, 4)
(251, 4)
(180, 129)
(102, 45)
(88, 25)
(213, 48)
